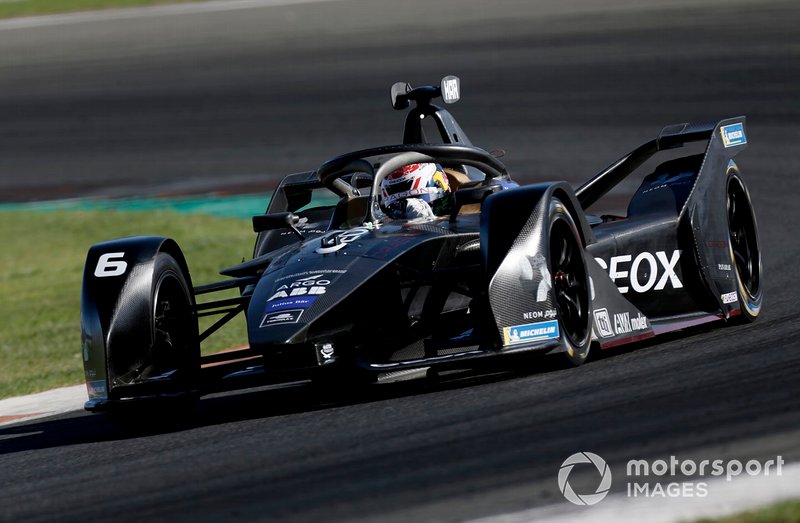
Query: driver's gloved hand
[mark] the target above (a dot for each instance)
(416, 208)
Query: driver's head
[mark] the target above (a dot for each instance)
(403, 191)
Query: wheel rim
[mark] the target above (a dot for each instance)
(744, 244)
(172, 324)
(569, 282)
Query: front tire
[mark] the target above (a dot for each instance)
(175, 331)
(570, 282)
(171, 366)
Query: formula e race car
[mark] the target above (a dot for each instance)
(345, 291)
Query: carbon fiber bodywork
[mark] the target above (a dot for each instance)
(342, 288)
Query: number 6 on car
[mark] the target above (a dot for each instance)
(110, 264)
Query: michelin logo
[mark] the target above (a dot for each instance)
(531, 332)
(733, 135)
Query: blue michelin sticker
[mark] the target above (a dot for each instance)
(530, 332)
(733, 135)
(290, 303)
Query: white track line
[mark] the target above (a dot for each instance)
(42, 404)
(724, 498)
(211, 6)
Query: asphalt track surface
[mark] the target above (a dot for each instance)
(195, 101)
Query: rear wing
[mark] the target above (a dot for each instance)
(725, 138)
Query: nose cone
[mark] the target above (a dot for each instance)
(288, 301)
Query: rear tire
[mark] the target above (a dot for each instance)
(570, 282)
(744, 248)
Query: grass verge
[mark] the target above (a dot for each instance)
(12, 8)
(785, 512)
(41, 266)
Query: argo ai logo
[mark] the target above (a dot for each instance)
(644, 272)
(313, 285)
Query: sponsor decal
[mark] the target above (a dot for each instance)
(729, 297)
(624, 324)
(603, 323)
(325, 353)
(305, 229)
(354, 234)
(312, 285)
(733, 135)
(717, 244)
(308, 273)
(290, 303)
(724, 266)
(647, 271)
(450, 89)
(530, 332)
(537, 315)
(669, 180)
(281, 317)
(96, 389)
(339, 240)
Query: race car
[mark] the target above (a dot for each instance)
(342, 289)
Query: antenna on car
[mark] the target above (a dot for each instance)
(449, 90)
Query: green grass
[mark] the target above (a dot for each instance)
(786, 512)
(41, 266)
(11, 8)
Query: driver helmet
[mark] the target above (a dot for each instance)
(416, 190)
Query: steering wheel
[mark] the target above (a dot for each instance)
(330, 172)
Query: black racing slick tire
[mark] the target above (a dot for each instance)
(571, 288)
(175, 331)
(744, 248)
(172, 362)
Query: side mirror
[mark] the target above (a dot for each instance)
(399, 91)
(277, 220)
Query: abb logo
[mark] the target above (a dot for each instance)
(644, 272)
(310, 285)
